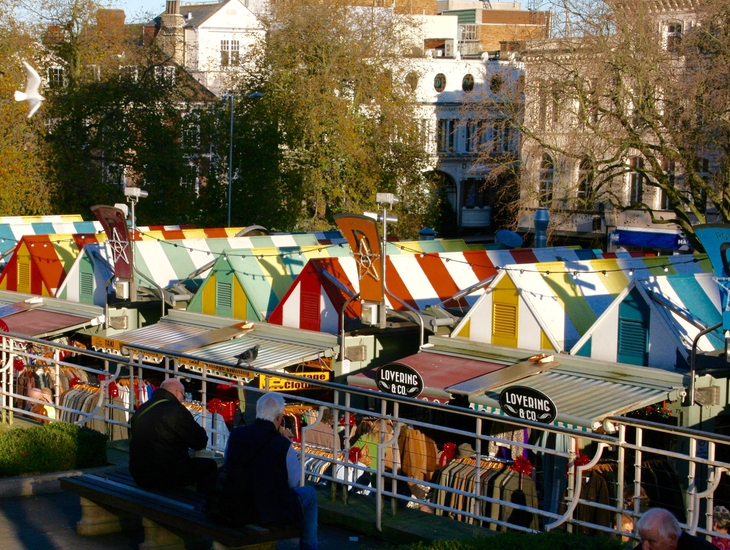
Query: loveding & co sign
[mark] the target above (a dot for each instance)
(528, 404)
(399, 380)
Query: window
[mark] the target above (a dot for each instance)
(190, 178)
(476, 137)
(542, 106)
(92, 72)
(547, 176)
(668, 167)
(501, 136)
(412, 81)
(586, 176)
(556, 95)
(165, 76)
(636, 180)
(56, 77)
(702, 167)
(471, 130)
(191, 134)
(229, 53)
(475, 193)
(495, 83)
(468, 32)
(439, 82)
(128, 72)
(674, 36)
(467, 83)
(446, 135)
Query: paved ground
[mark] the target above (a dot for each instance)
(48, 522)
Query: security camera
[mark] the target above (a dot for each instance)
(135, 192)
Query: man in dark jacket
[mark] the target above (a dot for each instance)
(264, 470)
(660, 530)
(163, 432)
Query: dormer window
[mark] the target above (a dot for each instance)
(674, 36)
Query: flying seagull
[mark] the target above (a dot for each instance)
(31, 94)
(248, 355)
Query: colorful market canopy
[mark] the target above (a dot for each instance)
(421, 279)
(167, 263)
(553, 304)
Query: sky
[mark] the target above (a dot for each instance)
(134, 8)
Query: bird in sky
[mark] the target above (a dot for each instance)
(31, 94)
(248, 355)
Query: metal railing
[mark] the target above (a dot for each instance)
(514, 475)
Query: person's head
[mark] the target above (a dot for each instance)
(47, 395)
(721, 519)
(627, 526)
(175, 387)
(659, 530)
(270, 406)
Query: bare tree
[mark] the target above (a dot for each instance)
(628, 108)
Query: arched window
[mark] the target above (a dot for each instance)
(636, 180)
(668, 167)
(547, 176)
(586, 177)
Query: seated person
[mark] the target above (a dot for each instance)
(163, 432)
(265, 474)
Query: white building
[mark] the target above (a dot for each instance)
(210, 40)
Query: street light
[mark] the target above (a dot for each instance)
(254, 95)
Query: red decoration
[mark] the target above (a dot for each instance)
(214, 405)
(18, 364)
(522, 466)
(447, 455)
(581, 459)
(354, 455)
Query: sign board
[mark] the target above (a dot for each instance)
(363, 237)
(114, 223)
(277, 383)
(114, 347)
(527, 404)
(399, 380)
(236, 374)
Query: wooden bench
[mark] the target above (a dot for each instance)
(112, 502)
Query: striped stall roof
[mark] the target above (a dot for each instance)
(677, 298)
(39, 263)
(248, 284)
(420, 279)
(53, 218)
(566, 298)
(166, 262)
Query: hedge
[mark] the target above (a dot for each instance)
(52, 447)
(553, 540)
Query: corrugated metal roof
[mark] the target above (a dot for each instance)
(274, 353)
(583, 400)
(279, 347)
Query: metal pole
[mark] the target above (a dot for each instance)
(132, 280)
(230, 165)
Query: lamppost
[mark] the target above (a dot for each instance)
(254, 95)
